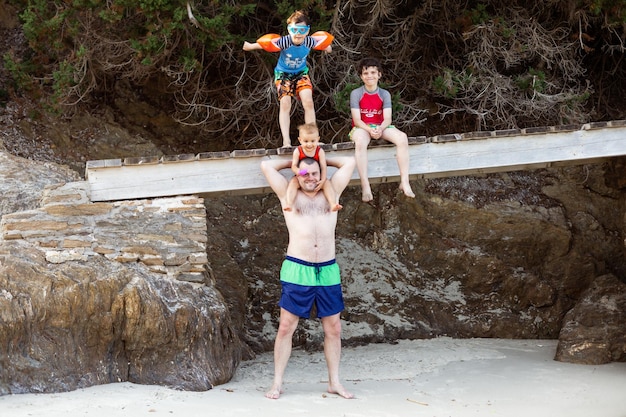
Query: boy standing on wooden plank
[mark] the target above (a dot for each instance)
(291, 75)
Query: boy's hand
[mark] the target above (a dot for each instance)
(247, 46)
(320, 184)
(375, 132)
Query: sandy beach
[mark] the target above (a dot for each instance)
(438, 377)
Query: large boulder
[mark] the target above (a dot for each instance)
(594, 331)
(77, 324)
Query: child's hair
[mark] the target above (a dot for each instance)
(368, 62)
(310, 128)
(299, 16)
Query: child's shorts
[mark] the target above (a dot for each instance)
(291, 84)
(305, 284)
(370, 125)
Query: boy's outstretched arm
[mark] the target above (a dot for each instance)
(247, 46)
(324, 40)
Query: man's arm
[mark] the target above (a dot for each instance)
(276, 180)
(345, 166)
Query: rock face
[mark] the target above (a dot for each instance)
(22, 182)
(78, 324)
(593, 331)
(500, 256)
(108, 292)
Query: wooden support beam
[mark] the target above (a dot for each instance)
(470, 153)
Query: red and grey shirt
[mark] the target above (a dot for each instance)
(370, 104)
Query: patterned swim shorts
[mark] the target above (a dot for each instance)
(291, 84)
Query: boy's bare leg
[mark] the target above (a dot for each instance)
(292, 191)
(331, 197)
(284, 120)
(361, 140)
(332, 352)
(400, 139)
(282, 351)
(306, 98)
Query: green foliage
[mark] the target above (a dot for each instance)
(342, 97)
(479, 14)
(534, 81)
(20, 71)
(144, 35)
(451, 83)
(316, 9)
(63, 77)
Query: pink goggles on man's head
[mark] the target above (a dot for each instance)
(295, 30)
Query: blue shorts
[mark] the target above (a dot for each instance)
(319, 284)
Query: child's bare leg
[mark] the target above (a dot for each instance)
(331, 196)
(361, 140)
(290, 195)
(306, 98)
(284, 120)
(399, 138)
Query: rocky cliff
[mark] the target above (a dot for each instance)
(176, 291)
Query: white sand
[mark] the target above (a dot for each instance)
(439, 377)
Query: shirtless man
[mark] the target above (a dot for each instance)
(309, 274)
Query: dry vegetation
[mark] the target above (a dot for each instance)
(453, 65)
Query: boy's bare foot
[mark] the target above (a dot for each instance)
(340, 390)
(406, 189)
(274, 392)
(337, 207)
(366, 194)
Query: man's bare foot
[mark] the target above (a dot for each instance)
(340, 390)
(274, 392)
(366, 194)
(337, 207)
(406, 189)
(286, 144)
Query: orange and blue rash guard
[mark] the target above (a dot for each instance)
(292, 58)
(370, 104)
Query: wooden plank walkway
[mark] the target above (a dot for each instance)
(238, 172)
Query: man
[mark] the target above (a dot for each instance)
(309, 274)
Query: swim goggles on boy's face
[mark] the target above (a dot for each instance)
(295, 30)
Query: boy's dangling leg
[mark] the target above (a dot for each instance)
(306, 98)
(284, 120)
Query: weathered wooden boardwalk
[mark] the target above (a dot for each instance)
(238, 172)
